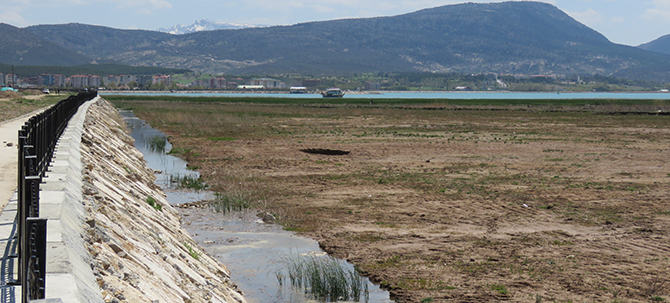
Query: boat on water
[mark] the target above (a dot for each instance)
(333, 93)
(298, 90)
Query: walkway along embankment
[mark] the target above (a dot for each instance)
(112, 236)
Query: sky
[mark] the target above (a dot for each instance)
(630, 22)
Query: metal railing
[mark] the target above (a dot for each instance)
(37, 143)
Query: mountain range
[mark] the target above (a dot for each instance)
(505, 38)
(202, 25)
(661, 45)
(22, 47)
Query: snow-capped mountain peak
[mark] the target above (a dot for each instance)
(202, 25)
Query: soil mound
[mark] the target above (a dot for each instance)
(10, 95)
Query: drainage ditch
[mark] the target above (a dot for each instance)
(268, 263)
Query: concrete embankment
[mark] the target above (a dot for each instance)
(117, 238)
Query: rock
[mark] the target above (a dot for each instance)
(267, 217)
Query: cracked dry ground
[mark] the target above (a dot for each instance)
(453, 206)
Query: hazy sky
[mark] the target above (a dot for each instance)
(629, 22)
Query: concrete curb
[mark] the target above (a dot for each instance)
(69, 275)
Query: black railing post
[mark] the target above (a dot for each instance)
(36, 243)
(37, 144)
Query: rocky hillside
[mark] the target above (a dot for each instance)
(201, 25)
(510, 37)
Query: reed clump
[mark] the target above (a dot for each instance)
(193, 181)
(157, 144)
(231, 201)
(324, 278)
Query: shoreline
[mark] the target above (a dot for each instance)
(206, 92)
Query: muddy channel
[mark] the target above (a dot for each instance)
(256, 253)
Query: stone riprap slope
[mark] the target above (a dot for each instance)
(140, 251)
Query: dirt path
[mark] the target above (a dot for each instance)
(8, 157)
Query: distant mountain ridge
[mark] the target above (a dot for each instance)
(660, 45)
(22, 47)
(202, 25)
(505, 38)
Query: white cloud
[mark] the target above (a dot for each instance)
(12, 18)
(659, 12)
(144, 4)
(589, 17)
(322, 8)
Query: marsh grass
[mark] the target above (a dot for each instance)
(194, 182)
(157, 144)
(562, 170)
(324, 278)
(227, 202)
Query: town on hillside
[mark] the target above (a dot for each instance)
(355, 82)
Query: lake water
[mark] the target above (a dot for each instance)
(253, 251)
(425, 95)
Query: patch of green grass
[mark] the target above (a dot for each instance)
(501, 289)
(425, 300)
(179, 151)
(221, 139)
(657, 299)
(187, 181)
(555, 159)
(192, 252)
(152, 202)
(423, 284)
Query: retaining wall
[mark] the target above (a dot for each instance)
(112, 236)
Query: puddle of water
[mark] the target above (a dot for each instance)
(253, 252)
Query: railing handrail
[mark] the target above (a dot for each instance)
(37, 143)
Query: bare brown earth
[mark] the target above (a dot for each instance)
(453, 206)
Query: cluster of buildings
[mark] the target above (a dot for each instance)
(84, 81)
(8, 79)
(152, 82)
(222, 83)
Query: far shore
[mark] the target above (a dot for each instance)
(243, 92)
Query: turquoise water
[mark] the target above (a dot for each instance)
(426, 95)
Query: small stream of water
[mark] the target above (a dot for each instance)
(254, 252)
